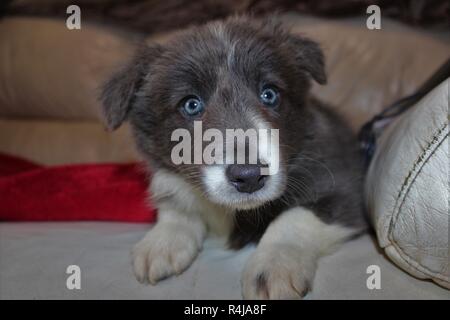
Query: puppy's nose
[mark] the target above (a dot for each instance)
(245, 177)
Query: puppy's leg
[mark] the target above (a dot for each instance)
(285, 260)
(170, 246)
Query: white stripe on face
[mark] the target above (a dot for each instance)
(268, 146)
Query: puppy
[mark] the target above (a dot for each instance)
(240, 73)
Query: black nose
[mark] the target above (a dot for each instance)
(246, 177)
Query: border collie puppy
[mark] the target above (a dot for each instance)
(240, 73)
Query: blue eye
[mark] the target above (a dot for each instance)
(270, 96)
(192, 106)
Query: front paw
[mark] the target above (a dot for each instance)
(168, 249)
(280, 271)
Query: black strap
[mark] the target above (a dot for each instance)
(370, 130)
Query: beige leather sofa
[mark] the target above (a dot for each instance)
(49, 79)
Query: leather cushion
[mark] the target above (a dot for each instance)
(48, 71)
(58, 142)
(407, 189)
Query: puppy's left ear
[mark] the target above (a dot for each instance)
(309, 57)
(119, 92)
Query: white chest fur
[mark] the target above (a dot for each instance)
(170, 189)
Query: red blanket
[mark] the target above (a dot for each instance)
(105, 192)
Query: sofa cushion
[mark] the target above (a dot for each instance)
(58, 142)
(39, 254)
(407, 189)
(49, 71)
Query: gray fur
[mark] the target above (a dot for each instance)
(226, 63)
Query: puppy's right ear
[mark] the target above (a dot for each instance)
(118, 93)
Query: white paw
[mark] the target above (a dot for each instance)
(167, 249)
(278, 272)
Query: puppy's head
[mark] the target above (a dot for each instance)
(237, 74)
